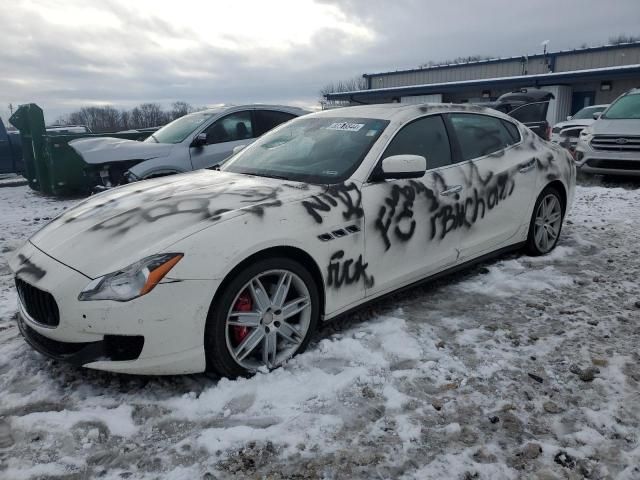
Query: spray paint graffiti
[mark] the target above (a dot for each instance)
(27, 267)
(200, 204)
(348, 195)
(347, 271)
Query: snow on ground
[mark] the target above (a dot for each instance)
(520, 368)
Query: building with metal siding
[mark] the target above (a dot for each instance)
(578, 78)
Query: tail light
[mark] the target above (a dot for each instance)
(548, 133)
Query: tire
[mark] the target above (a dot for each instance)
(546, 221)
(257, 321)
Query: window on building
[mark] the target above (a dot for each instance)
(233, 127)
(480, 135)
(268, 119)
(426, 137)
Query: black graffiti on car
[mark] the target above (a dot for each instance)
(348, 271)
(206, 206)
(349, 195)
(27, 267)
(398, 207)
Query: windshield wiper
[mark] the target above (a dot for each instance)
(154, 137)
(279, 177)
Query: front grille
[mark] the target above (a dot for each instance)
(40, 305)
(616, 143)
(572, 132)
(614, 164)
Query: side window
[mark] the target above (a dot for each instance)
(480, 135)
(268, 119)
(513, 131)
(426, 137)
(236, 126)
(532, 112)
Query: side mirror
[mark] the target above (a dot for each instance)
(238, 148)
(200, 140)
(403, 166)
(569, 117)
(597, 115)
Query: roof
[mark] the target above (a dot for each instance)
(508, 59)
(512, 82)
(224, 108)
(404, 111)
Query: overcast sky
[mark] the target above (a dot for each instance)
(72, 53)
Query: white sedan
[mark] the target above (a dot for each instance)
(232, 270)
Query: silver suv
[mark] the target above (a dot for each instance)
(197, 140)
(611, 145)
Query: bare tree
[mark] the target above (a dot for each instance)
(350, 85)
(179, 109)
(108, 119)
(622, 38)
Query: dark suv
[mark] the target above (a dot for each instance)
(528, 106)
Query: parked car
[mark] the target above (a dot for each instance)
(67, 129)
(528, 106)
(232, 270)
(567, 133)
(611, 145)
(197, 140)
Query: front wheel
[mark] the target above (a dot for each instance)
(266, 314)
(546, 222)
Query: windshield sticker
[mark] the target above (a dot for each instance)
(371, 133)
(348, 127)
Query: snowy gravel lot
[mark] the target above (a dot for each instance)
(519, 368)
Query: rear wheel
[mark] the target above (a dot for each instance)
(546, 222)
(266, 314)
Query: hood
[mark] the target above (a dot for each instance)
(121, 226)
(574, 123)
(109, 149)
(623, 127)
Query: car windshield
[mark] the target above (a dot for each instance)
(625, 107)
(322, 150)
(181, 128)
(587, 113)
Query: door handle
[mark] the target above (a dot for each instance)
(529, 166)
(451, 191)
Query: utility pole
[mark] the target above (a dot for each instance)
(11, 108)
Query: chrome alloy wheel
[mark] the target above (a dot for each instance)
(547, 223)
(268, 319)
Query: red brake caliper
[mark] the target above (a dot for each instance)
(243, 304)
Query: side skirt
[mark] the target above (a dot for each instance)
(431, 278)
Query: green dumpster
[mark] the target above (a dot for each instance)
(51, 165)
(29, 120)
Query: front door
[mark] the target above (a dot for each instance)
(499, 182)
(579, 100)
(223, 136)
(409, 233)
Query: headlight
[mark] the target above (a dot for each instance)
(133, 281)
(586, 135)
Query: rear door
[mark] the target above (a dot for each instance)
(411, 226)
(223, 135)
(499, 181)
(534, 116)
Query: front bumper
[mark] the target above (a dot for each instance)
(160, 333)
(606, 162)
